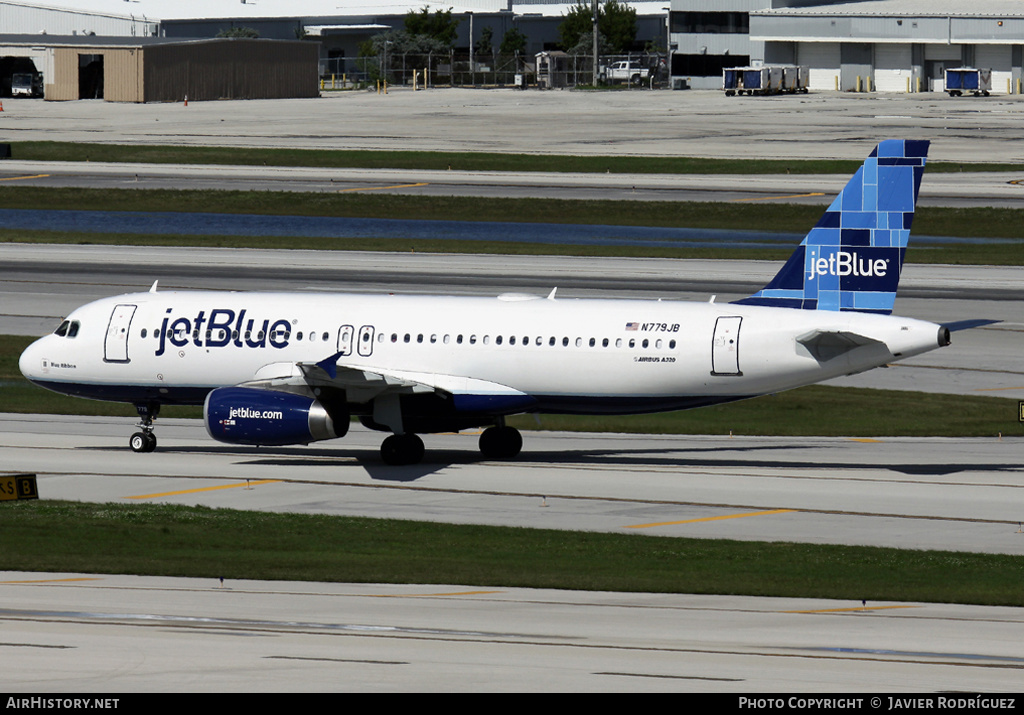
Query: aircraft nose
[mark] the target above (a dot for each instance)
(30, 362)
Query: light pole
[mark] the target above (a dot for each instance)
(668, 44)
(472, 63)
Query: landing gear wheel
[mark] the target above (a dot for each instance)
(145, 441)
(501, 442)
(402, 449)
(142, 442)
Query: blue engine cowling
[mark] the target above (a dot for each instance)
(249, 415)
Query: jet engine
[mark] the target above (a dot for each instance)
(249, 415)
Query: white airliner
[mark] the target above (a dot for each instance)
(287, 368)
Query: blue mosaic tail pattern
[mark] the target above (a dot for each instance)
(852, 258)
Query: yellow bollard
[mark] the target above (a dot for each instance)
(837, 82)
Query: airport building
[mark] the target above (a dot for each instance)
(866, 46)
(337, 29)
(874, 45)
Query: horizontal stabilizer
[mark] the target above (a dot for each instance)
(827, 345)
(968, 324)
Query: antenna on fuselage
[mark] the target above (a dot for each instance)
(551, 295)
(153, 288)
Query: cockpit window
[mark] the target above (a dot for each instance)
(68, 329)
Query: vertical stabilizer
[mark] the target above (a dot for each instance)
(852, 258)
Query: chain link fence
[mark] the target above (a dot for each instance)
(548, 70)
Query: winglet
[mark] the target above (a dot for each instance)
(851, 260)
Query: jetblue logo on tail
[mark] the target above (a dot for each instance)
(843, 263)
(852, 258)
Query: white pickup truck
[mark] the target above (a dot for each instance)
(626, 71)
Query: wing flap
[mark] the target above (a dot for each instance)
(363, 384)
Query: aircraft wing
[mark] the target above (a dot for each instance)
(363, 384)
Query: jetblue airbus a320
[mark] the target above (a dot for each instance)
(291, 368)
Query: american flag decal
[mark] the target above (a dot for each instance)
(632, 326)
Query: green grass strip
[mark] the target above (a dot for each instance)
(440, 161)
(199, 542)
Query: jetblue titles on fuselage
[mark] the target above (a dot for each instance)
(221, 327)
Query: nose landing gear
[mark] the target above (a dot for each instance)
(142, 441)
(145, 441)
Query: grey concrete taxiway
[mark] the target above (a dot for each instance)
(950, 494)
(984, 189)
(639, 123)
(118, 635)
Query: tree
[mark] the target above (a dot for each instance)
(585, 46)
(400, 42)
(485, 45)
(243, 32)
(514, 42)
(616, 23)
(438, 25)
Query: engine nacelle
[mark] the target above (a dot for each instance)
(248, 415)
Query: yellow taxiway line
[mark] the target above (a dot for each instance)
(385, 188)
(205, 489)
(778, 198)
(712, 518)
(22, 178)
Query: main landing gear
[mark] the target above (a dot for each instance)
(401, 449)
(498, 442)
(145, 441)
(501, 442)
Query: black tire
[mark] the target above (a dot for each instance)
(402, 449)
(501, 443)
(142, 442)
